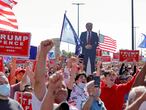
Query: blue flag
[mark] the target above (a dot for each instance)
(143, 43)
(69, 35)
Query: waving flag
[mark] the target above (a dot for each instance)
(7, 17)
(69, 35)
(106, 43)
(143, 43)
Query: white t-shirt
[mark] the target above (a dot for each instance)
(36, 103)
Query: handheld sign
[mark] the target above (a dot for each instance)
(129, 55)
(25, 99)
(14, 43)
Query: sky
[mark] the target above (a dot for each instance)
(44, 18)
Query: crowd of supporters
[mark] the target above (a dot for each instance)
(64, 85)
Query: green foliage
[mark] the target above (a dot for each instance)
(66, 54)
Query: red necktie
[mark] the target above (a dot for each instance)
(89, 38)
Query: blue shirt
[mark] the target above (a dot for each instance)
(97, 105)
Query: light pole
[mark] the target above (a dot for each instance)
(78, 5)
(135, 43)
(132, 22)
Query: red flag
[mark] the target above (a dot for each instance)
(108, 44)
(7, 17)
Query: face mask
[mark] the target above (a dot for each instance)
(143, 106)
(81, 85)
(5, 90)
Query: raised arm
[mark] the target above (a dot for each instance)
(140, 79)
(55, 83)
(136, 104)
(40, 69)
(73, 72)
(13, 67)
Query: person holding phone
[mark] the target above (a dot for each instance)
(94, 102)
(93, 88)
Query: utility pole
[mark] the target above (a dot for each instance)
(132, 16)
(135, 39)
(78, 25)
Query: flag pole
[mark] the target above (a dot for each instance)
(99, 41)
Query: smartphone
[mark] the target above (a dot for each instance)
(96, 81)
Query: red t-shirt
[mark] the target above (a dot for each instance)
(113, 97)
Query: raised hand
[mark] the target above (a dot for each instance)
(98, 68)
(46, 46)
(55, 82)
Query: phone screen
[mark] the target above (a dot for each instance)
(96, 81)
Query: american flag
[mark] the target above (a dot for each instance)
(106, 43)
(7, 17)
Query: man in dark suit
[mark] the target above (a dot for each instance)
(89, 42)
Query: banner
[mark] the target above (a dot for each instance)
(25, 99)
(14, 43)
(129, 55)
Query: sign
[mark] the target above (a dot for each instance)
(1, 64)
(14, 43)
(25, 99)
(115, 55)
(33, 52)
(98, 52)
(51, 55)
(21, 60)
(106, 59)
(129, 55)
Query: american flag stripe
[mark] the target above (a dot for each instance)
(109, 44)
(7, 18)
